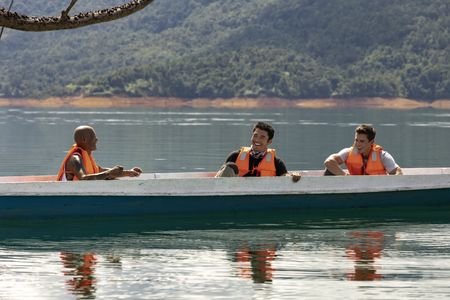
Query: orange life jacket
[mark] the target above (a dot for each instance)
(265, 168)
(89, 164)
(374, 166)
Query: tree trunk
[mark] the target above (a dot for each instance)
(16, 21)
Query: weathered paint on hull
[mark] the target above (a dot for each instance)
(55, 206)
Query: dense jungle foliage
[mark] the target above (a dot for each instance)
(236, 48)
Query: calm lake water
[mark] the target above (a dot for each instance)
(353, 254)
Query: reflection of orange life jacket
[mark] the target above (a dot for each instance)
(374, 166)
(82, 267)
(256, 264)
(364, 252)
(265, 168)
(89, 164)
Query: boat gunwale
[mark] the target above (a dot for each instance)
(161, 186)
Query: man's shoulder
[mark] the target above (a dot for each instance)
(73, 159)
(344, 152)
(386, 155)
(75, 156)
(279, 162)
(280, 166)
(232, 157)
(346, 149)
(388, 161)
(279, 159)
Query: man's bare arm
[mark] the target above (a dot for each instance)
(134, 172)
(75, 166)
(333, 162)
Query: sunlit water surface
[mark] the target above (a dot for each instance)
(357, 254)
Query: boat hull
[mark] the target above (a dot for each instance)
(95, 205)
(183, 193)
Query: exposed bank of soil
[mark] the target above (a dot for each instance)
(158, 102)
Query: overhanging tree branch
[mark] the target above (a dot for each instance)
(16, 21)
(9, 9)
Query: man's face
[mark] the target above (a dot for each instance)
(91, 141)
(260, 140)
(362, 143)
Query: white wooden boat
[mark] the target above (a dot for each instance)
(163, 193)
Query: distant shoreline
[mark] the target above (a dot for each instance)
(241, 103)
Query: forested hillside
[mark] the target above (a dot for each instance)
(236, 48)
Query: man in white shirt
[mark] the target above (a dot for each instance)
(363, 158)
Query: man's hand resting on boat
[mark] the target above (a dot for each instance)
(118, 171)
(135, 172)
(295, 176)
(113, 173)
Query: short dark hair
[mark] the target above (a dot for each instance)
(266, 127)
(368, 130)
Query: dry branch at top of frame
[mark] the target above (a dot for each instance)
(13, 20)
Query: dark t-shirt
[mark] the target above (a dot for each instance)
(279, 164)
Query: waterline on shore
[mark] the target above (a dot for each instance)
(232, 103)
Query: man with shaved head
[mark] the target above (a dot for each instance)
(79, 164)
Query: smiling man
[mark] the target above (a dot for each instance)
(256, 160)
(363, 158)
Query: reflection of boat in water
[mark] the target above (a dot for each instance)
(163, 193)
